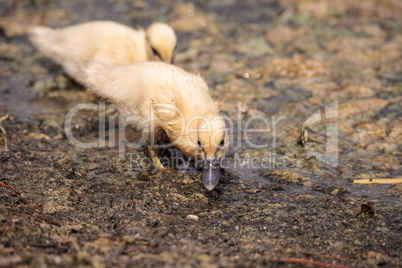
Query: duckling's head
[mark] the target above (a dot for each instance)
(203, 138)
(212, 145)
(163, 41)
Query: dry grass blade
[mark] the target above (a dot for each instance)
(382, 181)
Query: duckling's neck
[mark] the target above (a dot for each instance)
(150, 53)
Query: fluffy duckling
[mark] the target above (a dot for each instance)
(160, 98)
(112, 42)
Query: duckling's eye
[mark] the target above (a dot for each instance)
(156, 53)
(222, 143)
(199, 144)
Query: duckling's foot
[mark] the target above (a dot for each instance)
(157, 163)
(153, 154)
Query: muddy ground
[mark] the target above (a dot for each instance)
(63, 206)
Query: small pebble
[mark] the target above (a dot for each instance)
(192, 217)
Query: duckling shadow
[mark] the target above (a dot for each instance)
(174, 159)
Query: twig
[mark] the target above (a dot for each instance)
(318, 263)
(4, 131)
(36, 245)
(383, 181)
(317, 254)
(7, 185)
(54, 222)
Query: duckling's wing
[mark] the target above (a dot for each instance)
(136, 89)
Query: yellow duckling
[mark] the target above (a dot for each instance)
(160, 98)
(112, 42)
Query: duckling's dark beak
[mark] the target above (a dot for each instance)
(210, 172)
(172, 60)
(174, 55)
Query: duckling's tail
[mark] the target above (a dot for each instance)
(43, 38)
(41, 35)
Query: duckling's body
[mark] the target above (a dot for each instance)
(112, 42)
(161, 98)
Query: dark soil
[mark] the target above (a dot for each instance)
(62, 206)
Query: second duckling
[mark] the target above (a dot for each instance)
(112, 42)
